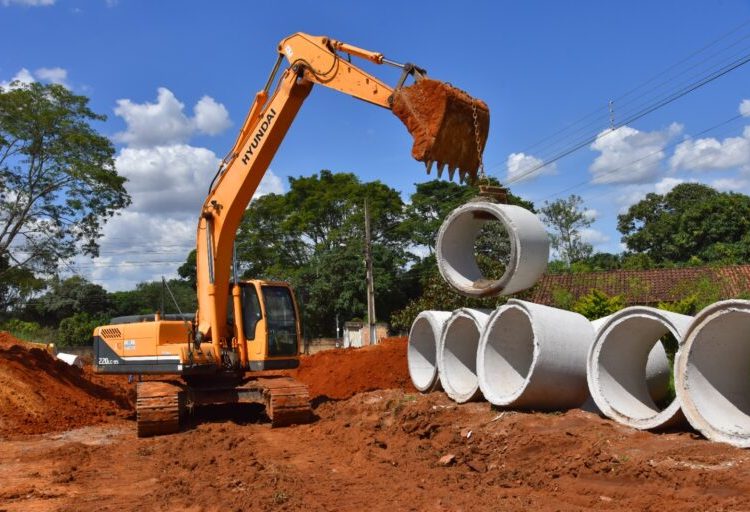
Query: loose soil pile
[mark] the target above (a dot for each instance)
(387, 449)
(39, 393)
(339, 374)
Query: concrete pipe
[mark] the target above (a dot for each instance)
(658, 369)
(457, 355)
(628, 370)
(711, 372)
(529, 249)
(534, 357)
(422, 351)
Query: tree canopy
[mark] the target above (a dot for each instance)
(566, 220)
(58, 183)
(692, 223)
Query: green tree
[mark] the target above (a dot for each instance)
(430, 205)
(313, 237)
(76, 330)
(58, 183)
(692, 223)
(152, 296)
(597, 304)
(566, 218)
(67, 297)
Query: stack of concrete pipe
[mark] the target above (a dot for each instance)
(534, 357)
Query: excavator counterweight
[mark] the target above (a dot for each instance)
(449, 127)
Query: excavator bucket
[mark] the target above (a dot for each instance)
(449, 127)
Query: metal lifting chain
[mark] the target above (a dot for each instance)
(481, 175)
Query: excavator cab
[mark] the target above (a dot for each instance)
(270, 324)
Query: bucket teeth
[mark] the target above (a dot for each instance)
(461, 176)
(446, 123)
(440, 169)
(428, 165)
(451, 173)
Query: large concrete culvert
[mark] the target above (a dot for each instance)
(422, 352)
(457, 355)
(628, 370)
(457, 262)
(534, 357)
(712, 372)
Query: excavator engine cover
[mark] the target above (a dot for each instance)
(441, 118)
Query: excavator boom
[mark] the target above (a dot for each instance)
(243, 326)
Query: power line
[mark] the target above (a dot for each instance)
(636, 111)
(638, 115)
(645, 157)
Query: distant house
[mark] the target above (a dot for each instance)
(646, 287)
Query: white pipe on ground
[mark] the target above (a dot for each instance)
(529, 249)
(534, 357)
(658, 369)
(71, 359)
(457, 354)
(422, 351)
(627, 368)
(712, 372)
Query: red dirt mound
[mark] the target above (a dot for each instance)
(341, 374)
(40, 394)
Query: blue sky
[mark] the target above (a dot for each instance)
(176, 78)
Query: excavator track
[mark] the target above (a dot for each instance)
(287, 400)
(159, 406)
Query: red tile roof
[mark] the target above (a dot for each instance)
(644, 286)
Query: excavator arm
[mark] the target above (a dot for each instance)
(449, 128)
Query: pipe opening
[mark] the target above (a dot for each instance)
(485, 249)
(509, 354)
(422, 354)
(491, 248)
(623, 359)
(717, 374)
(461, 340)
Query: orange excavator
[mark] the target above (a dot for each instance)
(242, 327)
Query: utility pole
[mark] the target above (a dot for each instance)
(370, 285)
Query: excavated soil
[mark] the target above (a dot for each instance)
(381, 450)
(39, 393)
(343, 373)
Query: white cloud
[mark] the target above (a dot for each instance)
(745, 108)
(594, 237)
(211, 117)
(631, 194)
(164, 122)
(154, 124)
(629, 155)
(24, 76)
(666, 185)
(519, 164)
(53, 75)
(28, 3)
(710, 154)
(591, 214)
(730, 184)
(167, 179)
(270, 184)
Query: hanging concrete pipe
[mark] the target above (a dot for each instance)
(457, 355)
(422, 351)
(534, 357)
(628, 370)
(712, 370)
(529, 249)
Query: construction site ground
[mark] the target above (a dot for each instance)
(68, 443)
